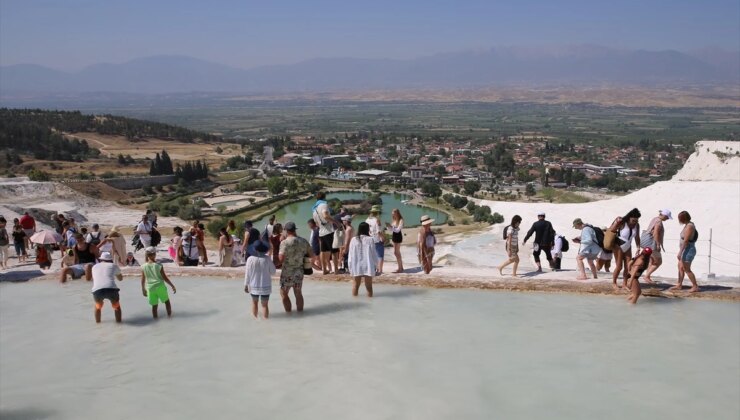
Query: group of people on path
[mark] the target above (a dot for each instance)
(599, 246)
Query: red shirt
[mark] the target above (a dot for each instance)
(27, 222)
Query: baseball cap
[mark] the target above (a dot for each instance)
(666, 213)
(577, 222)
(105, 256)
(290, 227)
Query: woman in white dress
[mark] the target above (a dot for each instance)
(363, 259)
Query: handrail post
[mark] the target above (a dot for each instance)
(710, 275)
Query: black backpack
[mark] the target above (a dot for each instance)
(599, 236)
(95, 240)
(506, 231)
(565, 245)
(156, 237)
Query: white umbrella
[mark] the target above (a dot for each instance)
(46, 237)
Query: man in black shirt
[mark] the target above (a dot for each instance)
(544, 238)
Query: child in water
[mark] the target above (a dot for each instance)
(153, 279)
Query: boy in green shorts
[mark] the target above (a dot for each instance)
(153, 281)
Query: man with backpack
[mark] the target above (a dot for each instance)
(544, 236)
(590, 247)
(561, 245)
(95, 236)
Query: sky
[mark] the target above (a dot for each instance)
(71, 34)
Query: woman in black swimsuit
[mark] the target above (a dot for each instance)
(397, 237)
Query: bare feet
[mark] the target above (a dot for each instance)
(581, 278)
(676, 287)
(649, 280)
(694, 289)
(616, 287)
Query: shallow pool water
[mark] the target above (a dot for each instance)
(300, 212)
(407, 353)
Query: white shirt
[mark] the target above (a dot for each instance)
(362, 258)
(628, 235)
(375, 230)
(325, 225)
(104, 275)
(257, 274)
(190, 249)
(557, 249)
(144, 229)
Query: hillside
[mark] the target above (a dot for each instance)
(572, 65)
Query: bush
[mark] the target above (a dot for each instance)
(147, 189)
(38, 175)
(450, 222)
(215, 225)
(108, 175)
(189, 212)
(497, 218)
(466, 221)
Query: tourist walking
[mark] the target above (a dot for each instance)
(275, 239)
(512, 245)
(104, 276)
(626, 230)
(4, 243)
(544, 234)
(29, 227)
(560, 245)
(589, 249)
(363, 259)
(336, 248)
(19, 242)
(94, 237)
(377, 232)
(425, 244)
(225, 248)
(396, 227)
(293, 250)
(638, 264)
(153, 279)
(652, 238)
(327, 225)
(199, 233)
(144, 230)
(257, 280)
(175, 244)
(686, 252)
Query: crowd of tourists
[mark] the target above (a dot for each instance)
(331, 245)
(598, 246)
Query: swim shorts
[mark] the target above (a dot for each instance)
(264, 298)
(108, 293)
(157, 294)
(326, 241)
(291, 277)
(689, 253)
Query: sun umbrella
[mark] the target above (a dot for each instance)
(46, 237)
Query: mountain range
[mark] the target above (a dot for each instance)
(572, 65)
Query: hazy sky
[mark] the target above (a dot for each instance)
(69, 34)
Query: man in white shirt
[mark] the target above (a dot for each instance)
(144, 230)
(104, 275)
(327, 226)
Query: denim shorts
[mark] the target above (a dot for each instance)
(689, 253)
(380, 249)
(20, 248)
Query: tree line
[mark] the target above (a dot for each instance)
(40, 132)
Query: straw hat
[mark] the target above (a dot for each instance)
(426, 220)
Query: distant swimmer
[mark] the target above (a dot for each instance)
(153, 279)
(638, 264)
(104, 276)
(511, 234)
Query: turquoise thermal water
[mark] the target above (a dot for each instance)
(407, 353)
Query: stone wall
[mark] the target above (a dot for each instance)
(139, 182)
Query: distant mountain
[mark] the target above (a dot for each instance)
(496, 66)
